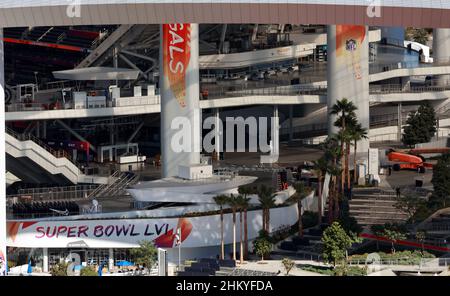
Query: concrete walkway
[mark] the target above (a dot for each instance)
(276, 266)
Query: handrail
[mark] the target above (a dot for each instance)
(52, 193)
(39, 142)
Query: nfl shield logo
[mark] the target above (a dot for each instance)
(350, 45)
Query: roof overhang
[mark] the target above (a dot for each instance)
(415, 13)
(97, 73)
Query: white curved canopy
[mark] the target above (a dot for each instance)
(97, 73)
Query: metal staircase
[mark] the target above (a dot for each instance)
(117, 183)
(104, 46)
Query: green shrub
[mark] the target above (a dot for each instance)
(59, 269)
(88, 271)
(345, 270)
(288, 264)
(262, 246)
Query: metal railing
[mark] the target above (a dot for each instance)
(39, 142)
(399, 261)
(52, 193)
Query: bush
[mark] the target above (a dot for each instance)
(88, 271)
(262, 246)
(59, 269)
(345, 270)
(288, 264)
(405, 257)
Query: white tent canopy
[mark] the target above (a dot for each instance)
(97, 73)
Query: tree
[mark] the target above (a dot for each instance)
(409, 204)
(320, 166)
(221, 201)
(262, 246)
(331, 148)
(441, 183)
(420, 36)
(246, 191)
(88, 271)
(420, 237)
(233, 202)
(267, 200)
(59, 269)
(288, 265)
(420, 126)
(301, 192)
(393, 235)
(242, 203)
(357, 133)
(345, 111)
(146, 255)
(336, 242)
(334, 195)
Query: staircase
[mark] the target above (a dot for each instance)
(117, 183)
(104, 46)
(371, 206)
(32, 160)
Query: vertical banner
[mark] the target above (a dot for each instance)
(179, 85)
(348, 72)
(3, 261)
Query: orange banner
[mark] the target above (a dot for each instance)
(176, 57)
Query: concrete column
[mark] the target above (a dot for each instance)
(348, 72)
(45, 259)
(44, 129)
(275, 132)
(399, 122)
(38, 129)
(2, 161)
(111, 259)
(291, 123)
(116, 60)
(217, 144)
(179, 87)
(441, 52)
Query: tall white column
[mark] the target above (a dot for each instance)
(179, 85)
(276, 132)
(3, 257)
(111, 259)
(217, 143)
(348, 72)
(441, 52)
(45, 259)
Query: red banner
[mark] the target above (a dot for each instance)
(176, 57)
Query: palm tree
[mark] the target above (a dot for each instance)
(221, 201)
(358, 133)
(242, 204)
(320, 166)
(332, 150)
(245, 191)
(301, 192)
(233, 203)
(345, 111)
(267, 200)
(333, 196)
